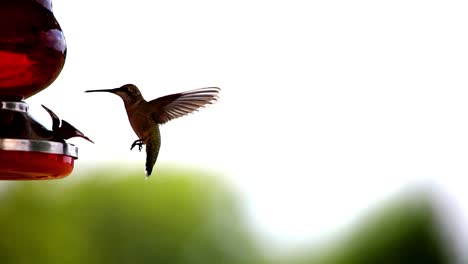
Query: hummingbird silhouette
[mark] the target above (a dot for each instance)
(145, 117)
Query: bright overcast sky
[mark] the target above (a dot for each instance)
(326, 108)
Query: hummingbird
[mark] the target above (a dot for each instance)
(145, 117)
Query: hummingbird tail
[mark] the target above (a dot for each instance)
(152, 151)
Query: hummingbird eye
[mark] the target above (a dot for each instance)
(128, 88)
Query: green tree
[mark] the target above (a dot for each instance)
(176, 217)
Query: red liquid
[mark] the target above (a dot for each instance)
(32, 54)
(21, 165)
(32, 48)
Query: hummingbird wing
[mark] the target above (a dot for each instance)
(55, 118)
(179, 104)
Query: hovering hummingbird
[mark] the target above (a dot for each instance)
(145, 117)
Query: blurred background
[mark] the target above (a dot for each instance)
(339, 136)
(114, 216)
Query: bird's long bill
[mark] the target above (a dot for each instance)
(103, 90)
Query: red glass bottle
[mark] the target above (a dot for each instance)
(32, 48)
(32, 54)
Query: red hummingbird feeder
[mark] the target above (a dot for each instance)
(32, 54)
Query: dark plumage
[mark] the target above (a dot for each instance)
(145, 117)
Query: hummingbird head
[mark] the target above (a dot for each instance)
(129, 93)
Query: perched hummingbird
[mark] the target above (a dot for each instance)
(145, 117)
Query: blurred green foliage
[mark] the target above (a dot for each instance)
(184, 216)
(176, 217)
(405, 230)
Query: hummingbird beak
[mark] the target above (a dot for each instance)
(104, 90)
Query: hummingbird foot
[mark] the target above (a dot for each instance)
(138, 143)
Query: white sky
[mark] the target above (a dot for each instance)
(327, 107)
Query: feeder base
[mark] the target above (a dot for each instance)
(35, 159)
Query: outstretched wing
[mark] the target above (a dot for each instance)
(176, 105)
